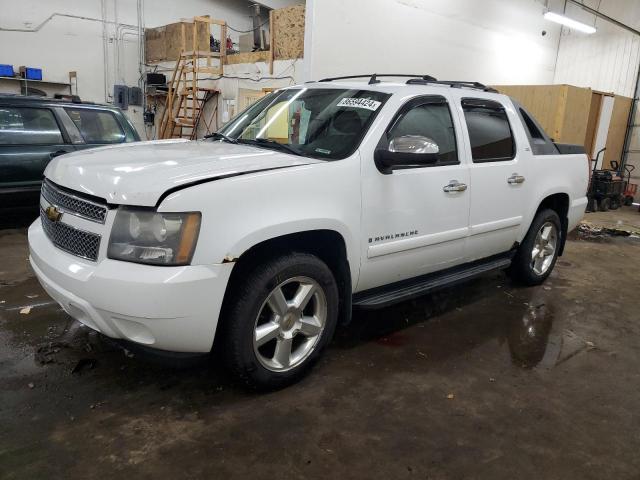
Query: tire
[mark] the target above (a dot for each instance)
(592, 205)
(533, 271)
(628, 201)
(614, 203)
(603, 205)
(257, 306)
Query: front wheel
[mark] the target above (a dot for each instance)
(538, 252)
(280, 320)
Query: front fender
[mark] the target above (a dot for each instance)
(241, 212)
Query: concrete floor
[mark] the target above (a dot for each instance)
(486, 380)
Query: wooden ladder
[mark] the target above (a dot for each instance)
(185, 98)
(189, 112)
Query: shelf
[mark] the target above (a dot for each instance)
(26, 80)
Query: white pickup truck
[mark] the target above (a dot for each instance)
(316, 199)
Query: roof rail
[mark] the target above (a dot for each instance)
(373, 77)
(453, 84)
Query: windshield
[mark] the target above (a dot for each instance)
(324, 123)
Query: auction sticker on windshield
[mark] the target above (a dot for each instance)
(359, 103)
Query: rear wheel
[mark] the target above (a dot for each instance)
(538, 252)
(604, 204)
(280, 320)
(615, 203)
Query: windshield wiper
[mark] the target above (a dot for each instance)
(272, 143)
(221, 136)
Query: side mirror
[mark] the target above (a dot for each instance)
(407, 151)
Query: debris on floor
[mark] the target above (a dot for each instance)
(590, 230)
(25, 310)
(84, 364)
(47, 353)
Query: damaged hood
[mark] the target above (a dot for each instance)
(139, 173)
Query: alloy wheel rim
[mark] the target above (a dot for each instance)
(544, 248)
(289, 324)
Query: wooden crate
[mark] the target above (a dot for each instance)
(562, 110)
(617, 129)
(165, 43)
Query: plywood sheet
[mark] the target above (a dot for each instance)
(248, 57)
(592, 124)
(617, 129)
(544, 102)
(562, 110)
(288, 32)
(174, 42)
(576, 115)
(165, 43)
(154, 44)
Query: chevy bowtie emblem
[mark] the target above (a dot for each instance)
(53, 213)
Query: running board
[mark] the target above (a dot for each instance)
(381, 297)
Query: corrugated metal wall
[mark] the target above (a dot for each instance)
(607, 60)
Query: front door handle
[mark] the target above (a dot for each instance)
(455, 186)
(57, 154)
(515, 179)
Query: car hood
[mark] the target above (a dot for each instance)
(139, 173)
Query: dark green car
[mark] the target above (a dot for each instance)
(34, 130)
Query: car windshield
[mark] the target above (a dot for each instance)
(325, 123)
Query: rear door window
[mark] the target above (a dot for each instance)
(28, 126)
(489, 130)
(97, 126)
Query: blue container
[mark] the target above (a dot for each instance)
(6, 70)
(32, 73)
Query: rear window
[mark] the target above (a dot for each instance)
(97, 126)
(489, 130)
(532, 129)
(28, 126)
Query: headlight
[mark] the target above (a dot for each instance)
(145, 236)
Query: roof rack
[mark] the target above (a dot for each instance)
(68, 98)
(416, 80)
(453, 84)
(373, 77)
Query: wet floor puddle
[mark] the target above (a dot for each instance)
(529, 331)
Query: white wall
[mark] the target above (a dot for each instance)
(606, 60)
(71, 44)
(65, 44)
(491, 41)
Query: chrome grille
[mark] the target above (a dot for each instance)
(72, 204)
(76, 242)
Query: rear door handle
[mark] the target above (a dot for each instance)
(57, 154)
(455, 186)
(515, 179)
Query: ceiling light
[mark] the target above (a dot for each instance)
(568, 22)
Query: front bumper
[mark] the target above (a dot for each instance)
(168, 308)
